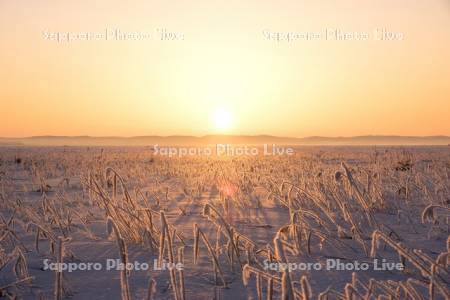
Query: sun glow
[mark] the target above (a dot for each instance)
(222, 119)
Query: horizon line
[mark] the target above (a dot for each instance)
(228, 135)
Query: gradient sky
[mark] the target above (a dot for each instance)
(153, 87)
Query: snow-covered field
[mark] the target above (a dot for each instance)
(293, 226)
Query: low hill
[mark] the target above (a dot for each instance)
(223, 139)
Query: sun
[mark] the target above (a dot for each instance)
(222, 119)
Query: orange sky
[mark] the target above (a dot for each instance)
(223, 60)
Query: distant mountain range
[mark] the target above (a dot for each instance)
(222, 139)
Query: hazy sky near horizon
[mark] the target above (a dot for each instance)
(223, 73)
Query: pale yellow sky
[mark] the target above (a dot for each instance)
(222, 61)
